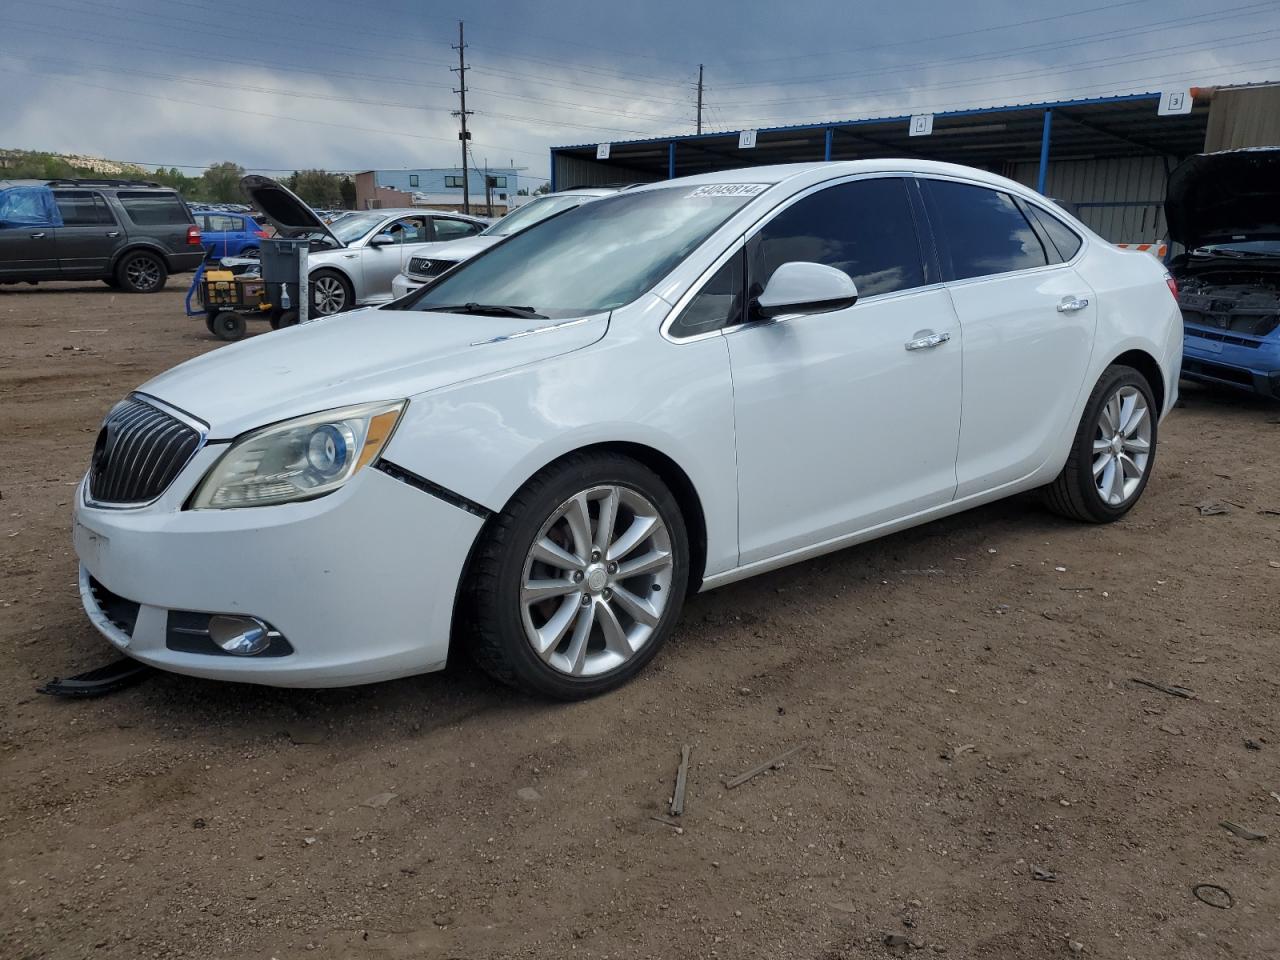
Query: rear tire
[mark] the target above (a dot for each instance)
(229, 326)
(142, 272)
(1113, 453)
(608, 621)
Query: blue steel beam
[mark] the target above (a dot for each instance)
(1045, 136)
(830, 135)
(671, 160)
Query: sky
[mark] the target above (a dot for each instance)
(278, 85)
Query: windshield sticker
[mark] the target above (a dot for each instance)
(728, 190)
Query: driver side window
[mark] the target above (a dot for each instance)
(408, 230)
(864, 227)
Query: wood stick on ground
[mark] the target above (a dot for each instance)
(682, 781)
(1172, 691)
(742, 778)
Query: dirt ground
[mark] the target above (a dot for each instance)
(961, 695)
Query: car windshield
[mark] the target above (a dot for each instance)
(1240, 248)
(355, 226)
(596, 257)
(535, 211)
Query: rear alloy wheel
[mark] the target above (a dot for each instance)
(579, 582)
(330, 293)
(142, 272)
(1113, 451)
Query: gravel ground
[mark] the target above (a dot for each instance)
(961, 695)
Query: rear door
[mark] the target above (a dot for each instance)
(1028, 321)
(89, 236)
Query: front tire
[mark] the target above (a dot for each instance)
(1113, 452)
(142, 272)
(330, 293)
(579, 582)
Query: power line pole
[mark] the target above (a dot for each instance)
(699, 98)
(462, 113)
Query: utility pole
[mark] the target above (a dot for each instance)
(462, 113)
(699, 98)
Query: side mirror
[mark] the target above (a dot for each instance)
(798, 287)
(381, 240)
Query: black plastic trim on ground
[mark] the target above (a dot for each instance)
(437, 491)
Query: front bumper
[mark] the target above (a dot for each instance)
(402, 286)
(1232, 360)
(361, 583)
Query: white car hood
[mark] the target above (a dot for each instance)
(458, 250)
(364, 355)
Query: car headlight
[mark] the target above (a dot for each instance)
(298, 459)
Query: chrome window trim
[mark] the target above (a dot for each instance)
(749, 232)
(201, 428)
(933, 229)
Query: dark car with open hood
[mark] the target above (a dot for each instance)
(1224, 208)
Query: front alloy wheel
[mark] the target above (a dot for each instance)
(596, 581)
(578, 582)
(329, 294)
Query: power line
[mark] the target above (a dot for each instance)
(1068, 92)
(1219, 43)
(271, 116)
(1044, 46)
(916, 41)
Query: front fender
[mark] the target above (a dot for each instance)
(483, 439)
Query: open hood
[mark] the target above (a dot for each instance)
(1231, 195)
(284, 209)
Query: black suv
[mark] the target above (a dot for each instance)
(131, 234)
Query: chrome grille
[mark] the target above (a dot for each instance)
(140, 449)
(425, 267)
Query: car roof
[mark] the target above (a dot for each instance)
(406, 211)
(777, 173)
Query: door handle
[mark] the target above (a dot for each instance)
(113, 233)
(37, 236)
(1072, 304)
(927, 341)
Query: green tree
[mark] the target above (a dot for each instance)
(317, 188)
(221, 182)
(545, 188)
(348, 190)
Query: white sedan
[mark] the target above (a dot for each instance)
(537, 458)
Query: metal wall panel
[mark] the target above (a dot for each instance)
(576, 172)
(1122, 199)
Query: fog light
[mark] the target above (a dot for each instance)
(240, 636)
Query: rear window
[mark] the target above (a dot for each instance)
(154, 209)
(983, 230)
(1060, 235)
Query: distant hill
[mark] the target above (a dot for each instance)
(21, 164)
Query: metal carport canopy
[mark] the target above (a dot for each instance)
(987, 137)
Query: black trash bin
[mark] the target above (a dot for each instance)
(283, 263)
